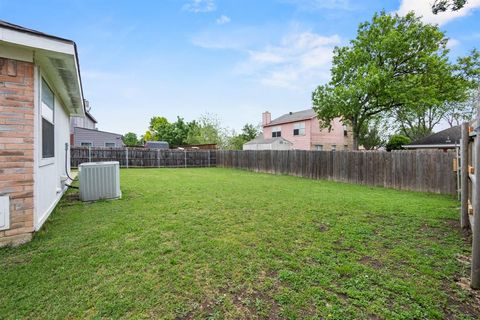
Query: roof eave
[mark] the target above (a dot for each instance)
(49, 51)
(432, 146)
(271, 124)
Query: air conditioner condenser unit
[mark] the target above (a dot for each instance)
(99, 180)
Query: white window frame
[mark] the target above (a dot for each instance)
(276, 130)
(300, 126)
(334, 147)
(51, 160)
(319, 147)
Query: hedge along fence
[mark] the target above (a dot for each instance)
(143, 157)
(428, 171)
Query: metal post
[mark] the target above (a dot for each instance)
(475, 284)
(463, 167)
(126, 155)
(89, 154)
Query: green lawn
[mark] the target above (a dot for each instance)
(228, 244)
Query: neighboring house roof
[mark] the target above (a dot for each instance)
(88, 114)
(96, 130)
(261, 140)
(157, 145)
(293, 117)
(446, 138)
(58, 57)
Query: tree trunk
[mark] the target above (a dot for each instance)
(355, 140)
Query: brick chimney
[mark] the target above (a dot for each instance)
(266, 118)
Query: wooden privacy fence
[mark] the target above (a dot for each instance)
(429, 171)
(143, 157)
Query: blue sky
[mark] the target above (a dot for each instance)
(232, 58)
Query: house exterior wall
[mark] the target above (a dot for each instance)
(314, 135)
(49, 173)
(96, 137)
(17, 148)
(82, 122)
(334, 137)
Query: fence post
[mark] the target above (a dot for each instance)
(89, 154)
(185, 152)
(126, 155)
(463, 165)
(158, 156)
(475, 272)
(209, 158)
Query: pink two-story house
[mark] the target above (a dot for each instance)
(303, 131)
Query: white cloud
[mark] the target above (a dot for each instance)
(452, 43)
(198, 6)
(424, 8)
(300, 59)
(223, 19)
(321, 4)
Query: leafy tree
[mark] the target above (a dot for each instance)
(175, 133)
(207, 130)
(458, 112)
(160, 129)
(370, 137)
(396, 142)
(249, 132)
(420, 119)
(130, 139)
(444, 5)
(394, 63)
(147, 136)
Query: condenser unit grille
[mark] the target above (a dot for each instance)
(99, 180)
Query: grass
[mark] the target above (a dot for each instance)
(228, 244)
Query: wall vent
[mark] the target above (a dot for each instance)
(4, 212)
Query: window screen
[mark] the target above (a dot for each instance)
(276, 132)
(299, 129)
(48, 127)
(48, 141)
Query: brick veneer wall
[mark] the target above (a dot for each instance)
(17, 147)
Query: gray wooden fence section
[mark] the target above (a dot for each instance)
(429, 171)
(143, 157)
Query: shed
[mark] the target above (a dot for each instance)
(157, 145)
(260, 143)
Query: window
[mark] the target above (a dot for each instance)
(345, 131)
(110, 144)
(86, 144)
(319, 147)
(345, 147)
(299, 129)
(48, 124)
(334, 147)
(276, 132)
